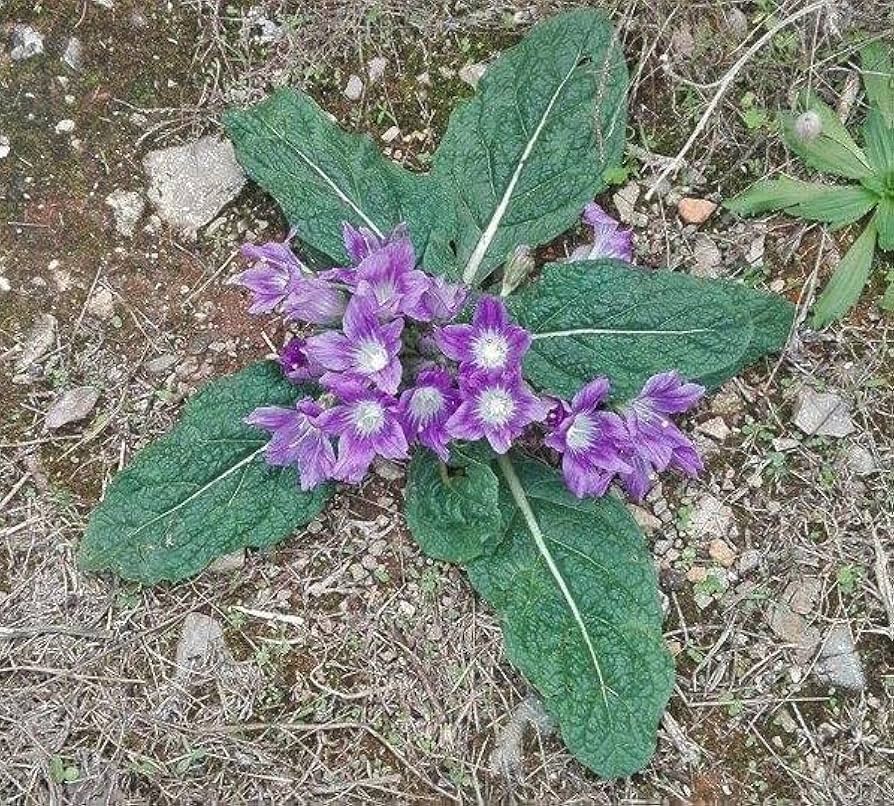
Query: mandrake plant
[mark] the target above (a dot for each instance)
(523, 398)
(818, 137)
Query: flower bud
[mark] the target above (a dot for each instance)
(808, 126)
(517, 269)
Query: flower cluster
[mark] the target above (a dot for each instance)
(398, 369)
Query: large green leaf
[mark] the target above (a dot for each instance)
(846, 284)
(878, 138)
(202, 490)
(877, 61)
(884, 224)
(322, 176)
(833, 150)
(607, 318)
(453, 512)
(576, 591)
(832, 204)
(522, 157)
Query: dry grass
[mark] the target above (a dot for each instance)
(353, 669)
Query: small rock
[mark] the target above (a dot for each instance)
(388, 470)
(161, 363)
(721, 552)
(406, 609)
(74, 405)
(201, 639)
(5, 285)
(712, 518)
(645, 519)
(5, 147)
(369, 562)
(749, 561)
(695, 211)
(793, 628)
(26, 42)
(190, 184)
(40, 338)
(822, 414)
(716, 428)
(697, 574)
(801, 594)
(107, 4)
(354, 88)
(860, 460)
(625, 202)
(66, 126)
(74, 54)
(391, 135)
(228, 563)
(127, 209)
(838, 663)
(471, 73)
(784, 444)
(706, 257)
(736, 22)
(785, 720)
(375, 68)
(358, 572)
(682, 42)
(101, 304)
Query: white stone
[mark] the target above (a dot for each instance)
(823, 414)
(26, 42)
(354, 88)
(74, 405)
(127, 209)
(712, 518)
(471, 73)
(74, 54)
(37, 341)
(706, 257)
(101, 304)
(838, 663)
(65, 126)
(625, 201)
(376, 68)
(5, 147)
(391, 135)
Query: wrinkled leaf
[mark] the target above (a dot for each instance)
(813, 201)
(877, 61)
(576, 591)
(878, 139)
(201, 491)
(834, 150)
(522, 157)
(322, 176)
(607, 318)
(846, 284)
(453, 513)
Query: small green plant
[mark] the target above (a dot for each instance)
(817, 136)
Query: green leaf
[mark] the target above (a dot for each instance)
(202, 490)
(453, 513)
(844, 288)
(878, 138)
(877, 61)
(887, 301)
(833, 150)
(607, 318)
(833, 204)
(772, 317)
(576, 591)
(884, 224)
(321, 176)
(522, 157)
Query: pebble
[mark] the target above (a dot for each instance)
(65, 126)
(101, 304)
(721, 552)
(228, 563)
(838, 663)
(107, 4)
(716, 428)
(706, 257)
(375, 68)
(40, 338)
(749, 561)
(801, 594)
(823, 414)
(200, 639)
(471, 73)
(26, 42)
(5, 285)
(5, 147)
(391, 134)
(860, 460)
(127, 209)
(697, 574)
(712, 518)
(72, 406)
(625, 202)
(190, 184)
(161, 363)
(74, 53)
(354, 88)
(644, 519)
(695, 211)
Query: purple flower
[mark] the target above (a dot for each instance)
(609, 240)
(388, 278)
(490, 344)
(295, 363)
(314, 300)
(439, 302)
(360, 242)
(655, 443)
(424, 409)
(275, 272)
(590, 441)
(297, 440)
(367, 350)
(495, 408)
(366, 424)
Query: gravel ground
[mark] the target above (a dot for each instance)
(342, 666)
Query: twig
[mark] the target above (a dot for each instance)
(724, 85)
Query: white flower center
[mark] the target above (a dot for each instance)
(496, 406)
(371, 356)
(369, 417)
(490, 349)
(426, 403)
(579, 432)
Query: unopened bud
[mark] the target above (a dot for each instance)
(808, 126)
(517, 269)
